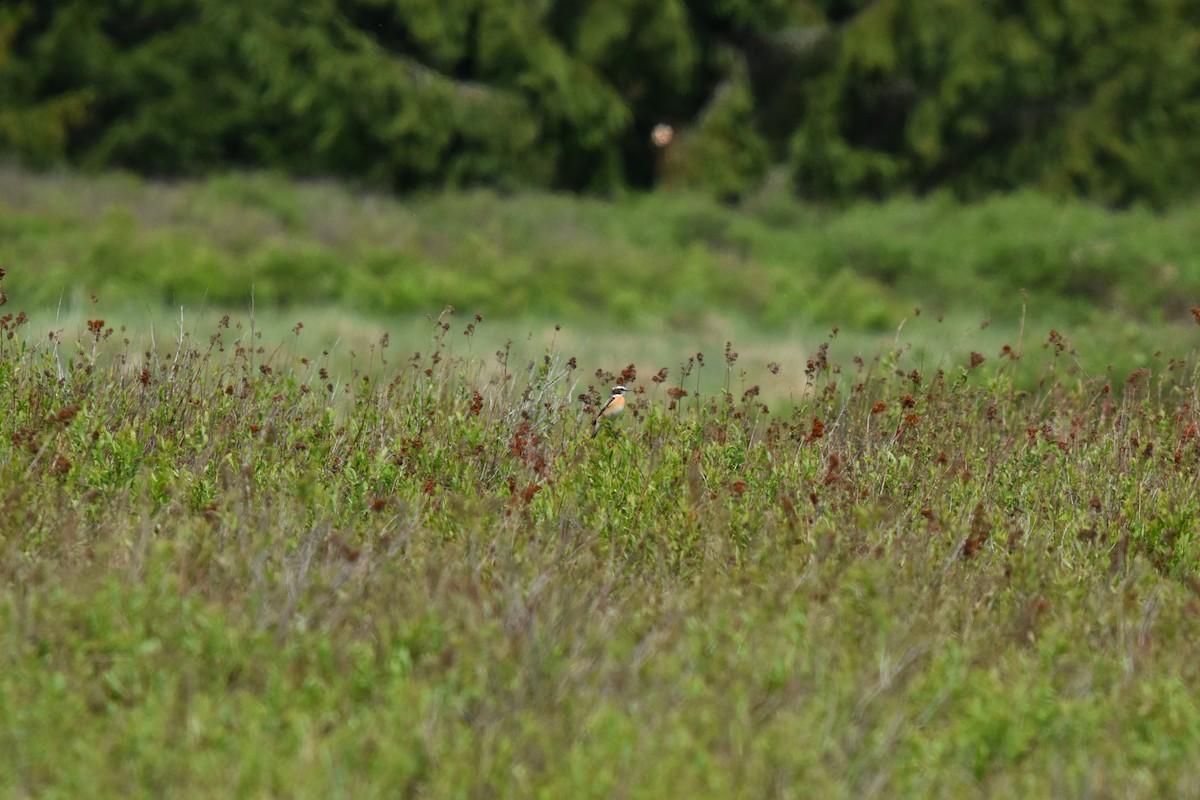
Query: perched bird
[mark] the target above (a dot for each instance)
(612, 409)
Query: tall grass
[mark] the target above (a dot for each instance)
(224, 570)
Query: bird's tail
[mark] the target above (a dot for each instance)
(596, 429)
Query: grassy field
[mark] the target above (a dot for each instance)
(340, 544)
(646, 278)
(223, 573)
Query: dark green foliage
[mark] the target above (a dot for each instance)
(1100, 99)
(724, 154)
(401, 94)
(36, 118)
(1097, 98)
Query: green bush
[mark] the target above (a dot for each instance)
(976, 97)
(856, 99)
(676, 258)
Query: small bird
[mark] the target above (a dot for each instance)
(612, 409)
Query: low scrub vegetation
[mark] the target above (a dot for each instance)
(646, 262)
(226, 570)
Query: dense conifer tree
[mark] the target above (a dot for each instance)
(857, 97)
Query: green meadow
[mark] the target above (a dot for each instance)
(905, 504)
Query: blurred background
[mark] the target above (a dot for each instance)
(698, 170)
